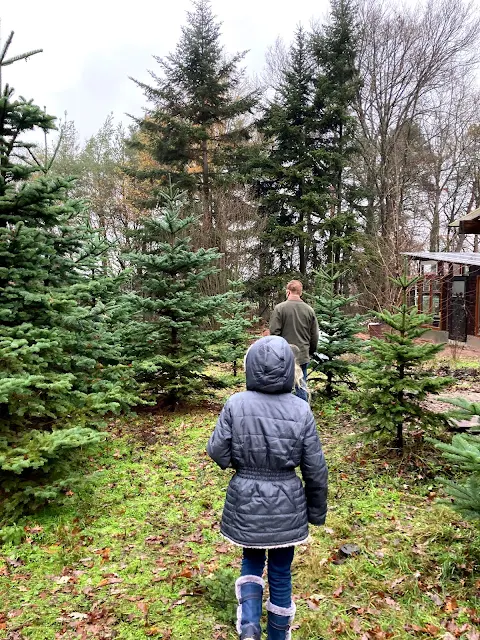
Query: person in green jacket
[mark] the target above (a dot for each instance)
(296, 321)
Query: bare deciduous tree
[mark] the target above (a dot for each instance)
(405, 56)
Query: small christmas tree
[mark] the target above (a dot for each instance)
(170, 337)
(235, 323)
(337, 331)
(392, 382)
(60, 369)
(464, 451)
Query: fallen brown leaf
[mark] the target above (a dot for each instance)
(356, 625)
(177, 603)
(14, 613)
(103, 553)
(436, 598)
(413, 627)
(397, 581)
(450, 605)
(186, 573)
(14, 562)
(143, 606)
(106, 581)
(155, 540)
(77, 615)
(392, 603)
(431, 629)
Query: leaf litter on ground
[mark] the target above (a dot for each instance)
(139, 553)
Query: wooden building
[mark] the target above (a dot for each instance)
(449, 290)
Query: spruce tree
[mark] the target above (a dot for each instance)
(60, 371)
(290, 189)
(337, 331)
(464, 451)
(305, 184)
(171, 335)
(337, 85)
(199, 118)
(393, 383)
(235, 321)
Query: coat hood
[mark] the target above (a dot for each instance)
(270, 366)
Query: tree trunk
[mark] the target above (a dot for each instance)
(329, 385)
(435, 229)
(301, 247)
(207, 210)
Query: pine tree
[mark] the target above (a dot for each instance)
(290, 188)
(393, 383)
(306, 189)
(170, 338)
(337, 86)
(198, 122)
(464, 451)
(234, 320)
(337, 331)
(60, 369)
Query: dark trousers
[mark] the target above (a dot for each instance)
(279, 571)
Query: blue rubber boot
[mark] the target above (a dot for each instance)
(280, 621)
(249, 592)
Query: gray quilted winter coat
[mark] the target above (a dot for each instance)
(264, 433)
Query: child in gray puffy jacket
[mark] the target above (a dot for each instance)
(264, 433)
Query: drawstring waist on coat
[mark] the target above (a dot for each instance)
(255, 473)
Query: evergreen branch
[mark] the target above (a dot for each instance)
(22, 56)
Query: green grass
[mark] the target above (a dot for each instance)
(137, 552)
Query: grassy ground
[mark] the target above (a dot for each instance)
(137, 552)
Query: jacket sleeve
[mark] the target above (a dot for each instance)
(276, 322)
(219, 447)
(314, 473)
(314, 335)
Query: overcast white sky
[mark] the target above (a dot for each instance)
(91, 47)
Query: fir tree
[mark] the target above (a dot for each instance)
(393, 383)
(60, 369)
(464, 451)
(288, 184)
(197, 123)
(305, 186)
(337, 331)
(235, 323)
(337, 86)
(170, 337)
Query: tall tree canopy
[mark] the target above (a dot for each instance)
(199, 115)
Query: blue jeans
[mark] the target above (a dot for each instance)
(301, 393)
(279, 571)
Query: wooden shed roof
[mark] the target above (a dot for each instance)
(473, 215)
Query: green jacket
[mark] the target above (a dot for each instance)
(296, 321)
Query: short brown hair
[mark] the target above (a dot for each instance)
(295, 287)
